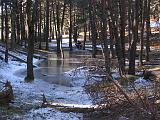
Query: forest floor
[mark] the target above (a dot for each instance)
(28, 95)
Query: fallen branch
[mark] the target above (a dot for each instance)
(34, 55)
(72, 107)
(19, 59)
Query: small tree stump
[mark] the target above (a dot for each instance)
(6, 94)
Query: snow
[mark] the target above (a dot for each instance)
(30, 94)
(141, 82)
(50, 114)
(155, 24)
(65, 42)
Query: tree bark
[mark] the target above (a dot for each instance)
(132, 54)
(31, 20)
(148, 31)
(47, 25)
(13, 25)
(94, 35)
(70, 25)
(6, 33)
(2, 21)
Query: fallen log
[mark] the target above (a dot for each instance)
(70, 107)
(73, 107)
(19, 59)
(34, 55)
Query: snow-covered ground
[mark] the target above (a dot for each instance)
(28, 96)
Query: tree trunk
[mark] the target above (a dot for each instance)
(6, 33)
(63, 15)
(132, 54)
(17, 24)
(85, 30)
(143, 2)
(2, 21)
(31, 20)
(104, 36)
(58, 28)
(40, 25)
(117, 40)
(94, 35)
(129, 23)
(122, 7)
(47, 25)
(148, 29)
(70, 26)
(13, 25)
(111, 39)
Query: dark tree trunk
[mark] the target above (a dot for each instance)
(111, 39)
(129, 23)
(70, 26)
(104, 36)
(122, 7)
(50, 26)
(22, 30)
(47, 25)
(2, 21)
(63, 15)
(117, 40)
(31, 20)
(143, 2)
(94, 35)
(148, 30)
(58, 28)
(40, 26)
(18, 24)
(85, 30)
(53, 22)
(6, 33)
(132, 54)
(13, 25)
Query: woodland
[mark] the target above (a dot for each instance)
(80, 59)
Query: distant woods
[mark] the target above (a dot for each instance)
(118, 26)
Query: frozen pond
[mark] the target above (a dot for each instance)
(54, 69)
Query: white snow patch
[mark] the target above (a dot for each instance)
(51, 114)
(140, 82)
